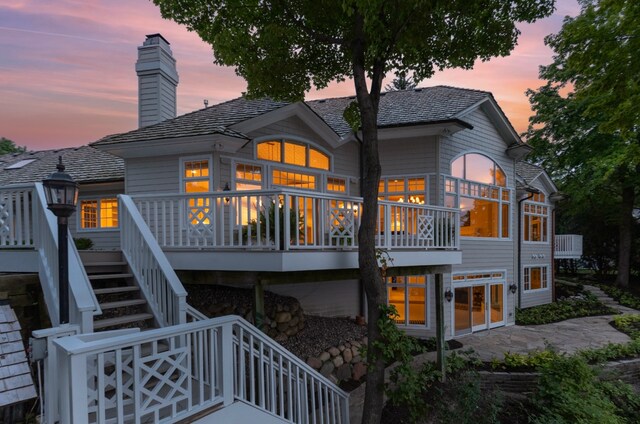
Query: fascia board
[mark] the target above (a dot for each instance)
(169, 146)
(410, 131)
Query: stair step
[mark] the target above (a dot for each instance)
(109, 276)
(93, 264)
(110, 290)
(127, 319)
(122, 303)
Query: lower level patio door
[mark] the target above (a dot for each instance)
(478, 307)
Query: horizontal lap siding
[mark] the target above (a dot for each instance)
(159, 174)
(102, 239)
(408, 156)
(326, 298)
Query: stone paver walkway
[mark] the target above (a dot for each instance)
(566, 336)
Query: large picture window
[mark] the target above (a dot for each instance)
(98, 213)
(535, 278)
(403, 189)
(479, 191)
(535, 220)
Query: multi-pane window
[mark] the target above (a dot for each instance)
(335, 184)
(292, 153)
(196, 178)
(479, 192)
(409, 296)
(293, 179)
(535, 220)
(99, 213)
(535, 278)
(401, 189)
(248, 177)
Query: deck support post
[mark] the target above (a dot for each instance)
(440, 344)
(258, 313)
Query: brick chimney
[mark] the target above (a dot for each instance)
(157, 81)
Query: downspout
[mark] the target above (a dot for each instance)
(520, 287)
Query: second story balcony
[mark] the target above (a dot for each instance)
(292, 230)
(568, 246)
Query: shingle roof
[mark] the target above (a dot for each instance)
(85, 164)
(16, 384)
(422, 105)
(527, 171)
(211, 120)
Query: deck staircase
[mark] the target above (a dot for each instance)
(118, 294)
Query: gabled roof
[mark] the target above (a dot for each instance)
(528, 173)
(398, 108)
(408, 107)
(85, 164)
(215, 119)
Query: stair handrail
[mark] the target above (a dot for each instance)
(165, 294)
(83, 304)
(209, 368)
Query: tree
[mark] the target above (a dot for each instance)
(401, 82)
(8, 146)
(282, 48)
(588, 109)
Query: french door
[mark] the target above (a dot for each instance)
(478, 307)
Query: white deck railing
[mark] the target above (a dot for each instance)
(165, 295)
(26, 223)
(568, 246)
(288, 219)
(170, 374)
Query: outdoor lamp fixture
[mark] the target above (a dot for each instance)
(448, 295)
(226, 188)
(62, 196)
(513, 288)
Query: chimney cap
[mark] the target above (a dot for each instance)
(149, 36)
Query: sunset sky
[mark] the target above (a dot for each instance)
(67, 73)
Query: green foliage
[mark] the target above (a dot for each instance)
(628, 324)
(268, 232)
(611, 352)
(406, 384)
(586, 123)
(8, 146)
(623, 297)
(400, 83)
(83, 243)
(351, 116)
(569, 391)
(532, 360)
(562, 310)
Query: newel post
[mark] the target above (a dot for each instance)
(72, 384)
(227, 364)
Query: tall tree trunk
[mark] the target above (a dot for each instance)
(624, 243)
(367, 260)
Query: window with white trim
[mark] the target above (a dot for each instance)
(248, 177)
(535, 278)
(196, 178)
(409, 296)
(293, 153)
(535, 220)
(478, 189)
(403, 189)
(98, 213)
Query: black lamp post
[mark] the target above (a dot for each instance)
(62, 196)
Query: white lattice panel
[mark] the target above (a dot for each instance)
(425, 227)
(342, 225)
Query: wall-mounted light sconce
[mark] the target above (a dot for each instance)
(226, 188)
(448, 295)
(513, 288)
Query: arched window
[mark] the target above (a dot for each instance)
(477, 167)
(292, 153)
(479, 190)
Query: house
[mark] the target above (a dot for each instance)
(265, 194)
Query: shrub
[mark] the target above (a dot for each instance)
(83, 243)
(628, 324)
(561, 310)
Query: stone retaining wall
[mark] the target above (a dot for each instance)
(342, 362)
